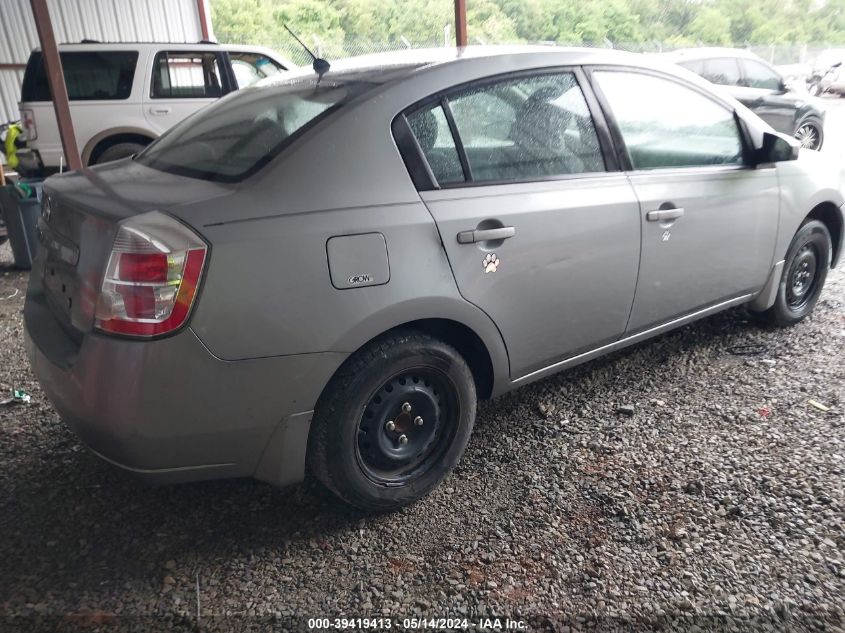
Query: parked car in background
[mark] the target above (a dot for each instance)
(332, 270)
(757, 85)
(122, 96)
(828, 75)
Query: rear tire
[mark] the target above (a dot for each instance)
(393, 422)
(805, 270)
(117, 151)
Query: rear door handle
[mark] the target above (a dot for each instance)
(486, 235)
(661, 215)
(159, 110)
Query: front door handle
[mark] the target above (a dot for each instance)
(486, 235)
(159, 110)
(662, 215)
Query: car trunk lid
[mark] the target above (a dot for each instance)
(82, 211)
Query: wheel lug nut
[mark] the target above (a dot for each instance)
(418, 421)
(403, 439)
(406, 407)
(390, 425)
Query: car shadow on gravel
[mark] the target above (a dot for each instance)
(97, 526)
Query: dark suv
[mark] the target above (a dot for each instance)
(760, 87)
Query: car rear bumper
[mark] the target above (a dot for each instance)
(169, 411)
(30, 161)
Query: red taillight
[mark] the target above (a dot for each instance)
(150, 267)
(152, 277)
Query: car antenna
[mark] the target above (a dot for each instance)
(321, 66)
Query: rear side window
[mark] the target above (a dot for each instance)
(667, 124)
(89, 76)
(186, 75)
(236, 136)
(431, 129)
(695, 65)
(515, 130)
(723, 71)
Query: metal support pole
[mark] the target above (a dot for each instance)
(56, 80)
(461, 22)
(203, 20)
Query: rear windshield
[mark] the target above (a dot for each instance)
(89, 76)
(236, 136)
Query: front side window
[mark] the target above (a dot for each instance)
(760, 76)
(666, 124)
(723, 71)
(186, 75)
(234, 137)
(251, 68)
(89, 76)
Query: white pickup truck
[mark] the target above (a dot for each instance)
(123, 96)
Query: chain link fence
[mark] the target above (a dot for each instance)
(794, 60)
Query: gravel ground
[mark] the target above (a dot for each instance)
(676, 485)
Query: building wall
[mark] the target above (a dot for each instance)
(75, 20)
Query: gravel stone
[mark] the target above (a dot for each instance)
(695, 513)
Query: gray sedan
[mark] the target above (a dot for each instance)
(325, 273)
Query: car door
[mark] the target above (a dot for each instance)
(182, 82)
(538, 233)
(709, 222)
(763, 91)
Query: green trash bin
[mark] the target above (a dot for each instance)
(21, 216)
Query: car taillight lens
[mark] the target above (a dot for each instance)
(151, 278)
(30, 132)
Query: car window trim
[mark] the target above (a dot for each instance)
(606, 146)
(622, 149)
(456, 139)
(412, 154)
(226, 82)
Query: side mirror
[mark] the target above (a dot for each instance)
(776, 148)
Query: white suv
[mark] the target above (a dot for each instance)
(122, 96)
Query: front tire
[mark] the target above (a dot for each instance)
(805, 271)
(393, 422)
(810, 133)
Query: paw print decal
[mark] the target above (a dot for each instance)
(490, 263)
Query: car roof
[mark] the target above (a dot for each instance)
(707, 52)
(92, 45)
(397, 64)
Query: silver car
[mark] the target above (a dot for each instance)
(327, 272)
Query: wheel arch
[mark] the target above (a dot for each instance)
(454, 321)
(831, 216)
(105, 139)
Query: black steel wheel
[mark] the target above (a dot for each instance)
(801, 276)
(406, 426)
(804, 273)
(393, 422)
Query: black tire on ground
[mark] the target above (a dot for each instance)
(818, 130)
(379, 396)
(117, 151)
(805, 270)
